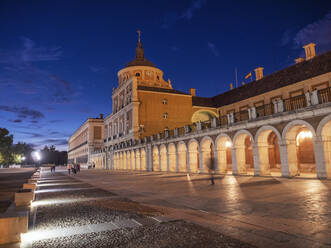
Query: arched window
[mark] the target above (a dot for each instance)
(157, 77)
(165, 115)
(137, 74)
(164, 101)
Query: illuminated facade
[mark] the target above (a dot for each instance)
(278, 125)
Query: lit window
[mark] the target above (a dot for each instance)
(165, 116)
(164, 101)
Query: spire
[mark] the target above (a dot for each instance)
(139, 50)
(140, 57)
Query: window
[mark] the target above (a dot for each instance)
(164, 101)
(137, 74)
(165, 115)
(157, 77)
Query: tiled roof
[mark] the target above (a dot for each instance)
(203, 101)
(319, 65)
(307, 69)
(164, 90)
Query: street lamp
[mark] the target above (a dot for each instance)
(36, 156)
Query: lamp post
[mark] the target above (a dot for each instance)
(36, 156)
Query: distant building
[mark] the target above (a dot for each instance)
(85, 140)
(279, 124)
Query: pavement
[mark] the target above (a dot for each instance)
(70, 212)
(261, 211)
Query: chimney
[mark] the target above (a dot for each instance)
(192, 91)
(258, 73)
(101, 116)
(299, 60)
(231, 87)
(310, 50)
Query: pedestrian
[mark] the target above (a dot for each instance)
(78, 167)
(69, 168)
(211, 170)
(54, 168)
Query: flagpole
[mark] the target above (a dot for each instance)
(236, 72)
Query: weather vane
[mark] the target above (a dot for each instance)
(139, 34)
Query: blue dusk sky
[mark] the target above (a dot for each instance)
(59, 59)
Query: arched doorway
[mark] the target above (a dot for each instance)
(244, 152)
(300, 149)
(203, 116)
(267, 139)
(156, 159)
(193, 149)
(163, 153)
(207, 153)
(172, 157)
(182, 159)
(224, 157)
(326, 141)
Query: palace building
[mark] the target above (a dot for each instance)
(278, 125)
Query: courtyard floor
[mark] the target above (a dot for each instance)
(102, 208)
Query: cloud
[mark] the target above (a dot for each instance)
(54, 142)
(32, 134)
(318, 32)
(22, 73)
(195, 5)
(170, 18)
(23, 112)
(16, 121)
(97, 69)
(213, 49)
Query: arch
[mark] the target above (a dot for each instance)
(297, 123)
(323, 160)
(156, 159)
(138, 162)
(207, 154)
(267, 139)
(143, 159)
(300, 149)
(223, 150)
(164, 158)
(242, 144)
(172, 157)
(182, 157)
(203, 115)
(194, 156)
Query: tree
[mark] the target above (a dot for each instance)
(6, 142)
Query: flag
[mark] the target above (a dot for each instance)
(248, 75)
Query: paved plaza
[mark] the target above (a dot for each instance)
(264, 211)
(69, 212)
(102, 208)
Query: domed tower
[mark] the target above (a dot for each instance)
(145, 71)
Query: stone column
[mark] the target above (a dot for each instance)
(284, 158)
(320, 158)
(240, 159)
(149, 159)
(188, 161)
(215, 159)
(234, 161)
(259, 169)
(222, 161)
(168, 166)
(159, 159)
(200, 160)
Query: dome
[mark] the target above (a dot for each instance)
(140, 59)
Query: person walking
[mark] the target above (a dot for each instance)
(69, 168)
(211, 170)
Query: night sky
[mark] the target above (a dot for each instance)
(59, 59)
